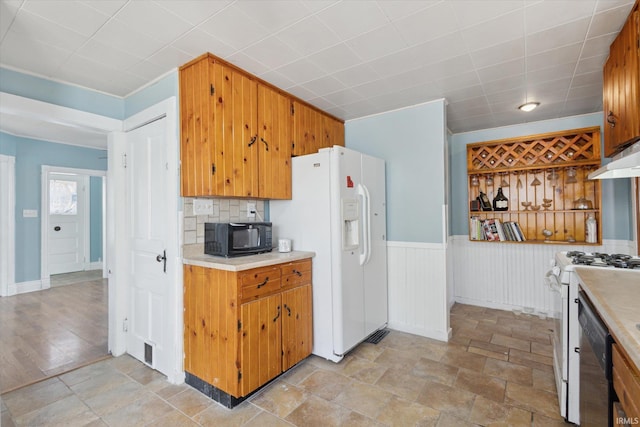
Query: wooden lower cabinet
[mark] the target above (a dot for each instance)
(242, 329)
(626, 383)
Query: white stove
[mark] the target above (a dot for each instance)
(563, 282)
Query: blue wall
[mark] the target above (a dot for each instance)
(61, 94)
(95, 221)
(164, 88)
(412, 142)
(616, 193)
(30, 156)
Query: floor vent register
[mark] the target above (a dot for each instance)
(377, 336)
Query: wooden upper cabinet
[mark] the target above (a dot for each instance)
(621, 88)
(274, 144)
(313, 130)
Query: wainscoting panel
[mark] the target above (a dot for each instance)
(510, 276)
(418, 289)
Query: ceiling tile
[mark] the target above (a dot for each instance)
(538, 17)
(497, 54)
(272, 52)
(301, 92)
(301, 71)
(197, 42)
(43, 59)
(607, 22)
(460, 81)
(277, 79)
(8, 11)
(121, 36)
(324, 85)
(561, 55)
(471, 12)
(37, 28)
(587, 79)
(321, 103)
(351, 18)
(318, 5)
(397, 9)
(464, 94)
(597, 45)
(146, 70)
(194, 11)
(359, 74)
(108, 7)
(519, 95)
(156, 22)
(562, 35)
(379, 42)
(234, 27)
(72, 15)
(602, 5)
(428, 24)
(592, 64)
(100, 52)
(273, 14)
(507, 83)
(308, 36)
(335, 58)
(497, 31)
(555, 72)
(169, 57)
(501, 71)
(584, 91)
(343, 97)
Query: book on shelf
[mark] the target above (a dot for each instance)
(492, 229)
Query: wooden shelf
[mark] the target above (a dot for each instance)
(548, 168)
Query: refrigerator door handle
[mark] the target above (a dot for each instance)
(365, 256)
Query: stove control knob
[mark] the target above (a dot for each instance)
(556, 271)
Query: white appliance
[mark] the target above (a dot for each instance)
(563, 282)
(338, 211)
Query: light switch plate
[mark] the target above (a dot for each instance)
(30, 213)
(202, 206)
(251, 210)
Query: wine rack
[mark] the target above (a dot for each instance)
(542, 176)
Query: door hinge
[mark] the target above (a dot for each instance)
(239, 375)
(212, 90)
(239, 325)
(292, 110)
(124, 160)
(213, 168)
(125, 325)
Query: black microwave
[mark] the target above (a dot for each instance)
(232, 239)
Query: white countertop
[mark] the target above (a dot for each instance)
(615, 294)
(194, 255)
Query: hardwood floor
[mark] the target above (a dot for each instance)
(46, 333)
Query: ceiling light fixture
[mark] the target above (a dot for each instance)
(529, 106)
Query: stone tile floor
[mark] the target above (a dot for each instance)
(495, 371)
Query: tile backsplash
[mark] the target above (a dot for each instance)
(224, 210)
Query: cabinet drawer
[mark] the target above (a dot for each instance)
(296, 273)
(259, 281)
(626, 383)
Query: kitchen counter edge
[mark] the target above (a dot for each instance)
(194, 255)
(615, 294)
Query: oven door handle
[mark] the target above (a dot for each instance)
(551, 280)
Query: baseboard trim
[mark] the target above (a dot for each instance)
(26, 287)
(505, 307)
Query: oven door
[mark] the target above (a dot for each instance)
(560, 295)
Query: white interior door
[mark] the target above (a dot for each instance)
(150, 285)
(67, 217)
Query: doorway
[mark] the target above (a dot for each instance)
(73, 223)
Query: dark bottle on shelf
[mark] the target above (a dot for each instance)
(500, 202)
(485, 204)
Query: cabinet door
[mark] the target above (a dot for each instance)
(274, 144)
(297, 326)
(332, 132)
(621, 90)
(261, 347)
(236, 129)
(307, 130)
(197, 121)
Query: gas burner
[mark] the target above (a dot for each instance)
(622, 257)
(618, 263)
(633, 264)
(584, 259)
(571, 254)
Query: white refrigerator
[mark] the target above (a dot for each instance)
(338, 211)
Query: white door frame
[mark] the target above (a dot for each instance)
(47, 170)
(7, 225)
(118, 266)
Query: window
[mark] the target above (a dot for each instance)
(63, 197)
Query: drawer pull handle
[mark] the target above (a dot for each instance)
(288, 309)
(296, 272)
(263, 283)
(277, 315)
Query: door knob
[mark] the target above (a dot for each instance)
(57, 228)
(161, 258)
